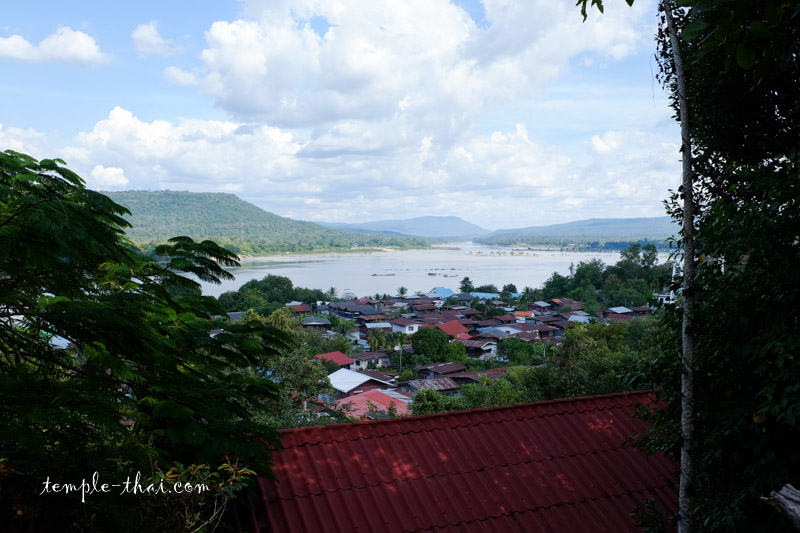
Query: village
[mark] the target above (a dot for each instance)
(373, 383)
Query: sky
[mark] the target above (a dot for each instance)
(507, 113)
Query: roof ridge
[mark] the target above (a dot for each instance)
(543, 507)
(456, 473)
(450, 426)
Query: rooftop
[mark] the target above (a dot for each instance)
(551, 466)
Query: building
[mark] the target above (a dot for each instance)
(557, 466)
(347, 383)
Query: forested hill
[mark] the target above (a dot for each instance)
(236, 224)
(594, 231)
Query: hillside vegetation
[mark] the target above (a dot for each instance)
(594, 232)
(238, 225)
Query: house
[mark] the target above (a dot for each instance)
(446, 386)
(454, 328)
(376, 403)
(381, 326)
(346, 383)
(337, 357)
(362, 360)
(523, 316)
(314, 322)
(389, 378)
(299, 308)
(365, 319)
(440, 293)
(541, 307)
(558, 303)
(405, 325)
(485, 295)
(480, 348)
(545, 331)
(618, 317)
(439, 370)
(617, 311)
(555, 466)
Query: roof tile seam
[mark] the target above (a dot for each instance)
(542, 508)
(549, 458)
(457, 426)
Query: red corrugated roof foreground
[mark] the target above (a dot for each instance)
(557, 466)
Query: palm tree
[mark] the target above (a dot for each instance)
(331, 294)
(402, 291)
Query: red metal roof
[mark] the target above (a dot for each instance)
(454, 327)
(337, 357)
(558, 466)
(360, 403)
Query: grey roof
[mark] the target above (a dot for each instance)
(620, 310)
(436, 384)
(315, 320)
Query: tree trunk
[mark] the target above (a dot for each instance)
(685, 492)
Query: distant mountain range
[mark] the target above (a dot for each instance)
(238, 225)
(603, 228)
(248, 229)
(431, 226)
(599, 230)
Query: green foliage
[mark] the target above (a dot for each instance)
(238, 225)
(743, 83)
(429, 401)
(142, 382)
(455, 352)
(269, 294)
(490, 288)
(519, 352)
(428, 345)
(466, 285)
(628, 283)
(593, 359)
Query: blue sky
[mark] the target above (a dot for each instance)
(505, 113)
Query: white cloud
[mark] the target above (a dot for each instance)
(26, 141)
(148, 41)
(179, 76)
(65, 45)
(102, 177)
(423, 58)
(188, 155)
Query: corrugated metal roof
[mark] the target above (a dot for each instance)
(559, 466)
(337, 357)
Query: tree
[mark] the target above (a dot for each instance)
(466, 285)
(106, 353)
(428, 345)
(737, 105)
(430, 401)
(402, 291)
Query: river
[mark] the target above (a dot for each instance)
(368, 273)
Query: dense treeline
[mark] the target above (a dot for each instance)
(632, 281)
(592, 359)
(237, 225)
(269, 294)
(108, 367)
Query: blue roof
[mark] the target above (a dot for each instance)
(485, 295)
(441, 292)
